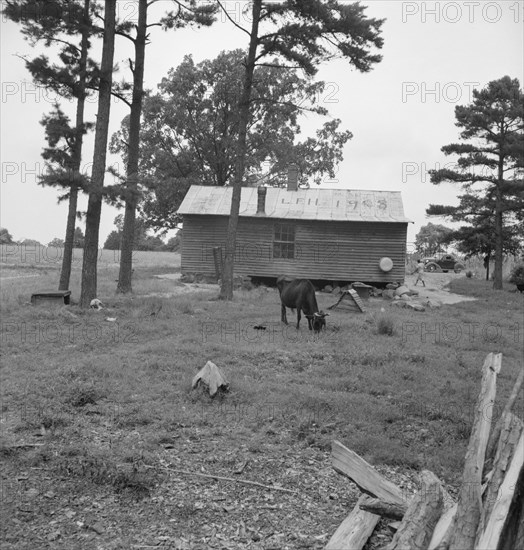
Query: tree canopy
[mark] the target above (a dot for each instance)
(142, 240)
(432, 238)
(189, 131)
(5, 236)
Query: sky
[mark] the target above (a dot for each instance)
(401, 113)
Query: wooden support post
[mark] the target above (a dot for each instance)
(219, 262)
(466, 521)
(355, 530)
(421, 516)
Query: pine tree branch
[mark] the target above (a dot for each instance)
(232, 20)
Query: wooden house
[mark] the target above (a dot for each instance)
(319, 234)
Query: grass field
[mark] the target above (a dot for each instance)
(96, 415)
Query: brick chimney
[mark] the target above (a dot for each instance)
(292, 177)
(261, 204)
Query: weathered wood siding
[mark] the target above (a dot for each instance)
(323, 250)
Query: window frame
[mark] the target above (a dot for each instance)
(284, 243)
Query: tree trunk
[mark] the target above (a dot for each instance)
(67, 259)
(226, 290)
(128, 230)
(487, 266)
(94, 207)
(497, 272)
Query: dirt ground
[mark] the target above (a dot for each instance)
(435, 288)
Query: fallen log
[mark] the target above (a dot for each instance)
(390, 510)
(349, 464)
(494, 531)
(355, 530)
(509, 436)
(465, 523)
(422, 515)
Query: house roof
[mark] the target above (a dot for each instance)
(302, 204)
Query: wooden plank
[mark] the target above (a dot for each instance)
(421, 516)
(349, 464)
(509, 436)
(354, 531)
(442, 528)
(327, 250)
(491, 536)
(494, 438)
(467, 518)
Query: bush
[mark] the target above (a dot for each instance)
(386, 325)
(517, 275)
(469, 274)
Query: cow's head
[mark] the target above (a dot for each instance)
(318, 321)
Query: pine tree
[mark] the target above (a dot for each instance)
(303, 33)
(94, 207)
(188, 13)
(63, 23)
(492, 157)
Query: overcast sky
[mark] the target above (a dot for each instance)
(401, 113)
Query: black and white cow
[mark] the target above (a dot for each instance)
(299, 294)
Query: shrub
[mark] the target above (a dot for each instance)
(469, 274)
(385, 325)
(517, 275)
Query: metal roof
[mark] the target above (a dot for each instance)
(302, 204)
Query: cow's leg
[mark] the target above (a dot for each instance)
(298, 317)
(284, 316)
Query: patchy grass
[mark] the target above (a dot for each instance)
(111, 405)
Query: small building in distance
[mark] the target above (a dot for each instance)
(333, 235)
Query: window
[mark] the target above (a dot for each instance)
(284, 241)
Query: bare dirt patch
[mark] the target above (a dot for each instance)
(435, 288)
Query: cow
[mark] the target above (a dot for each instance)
(299, 294)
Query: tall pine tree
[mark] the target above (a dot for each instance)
(491, 157)
(302, 33)
(69, 25)
(188, 13)
(96, 190)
